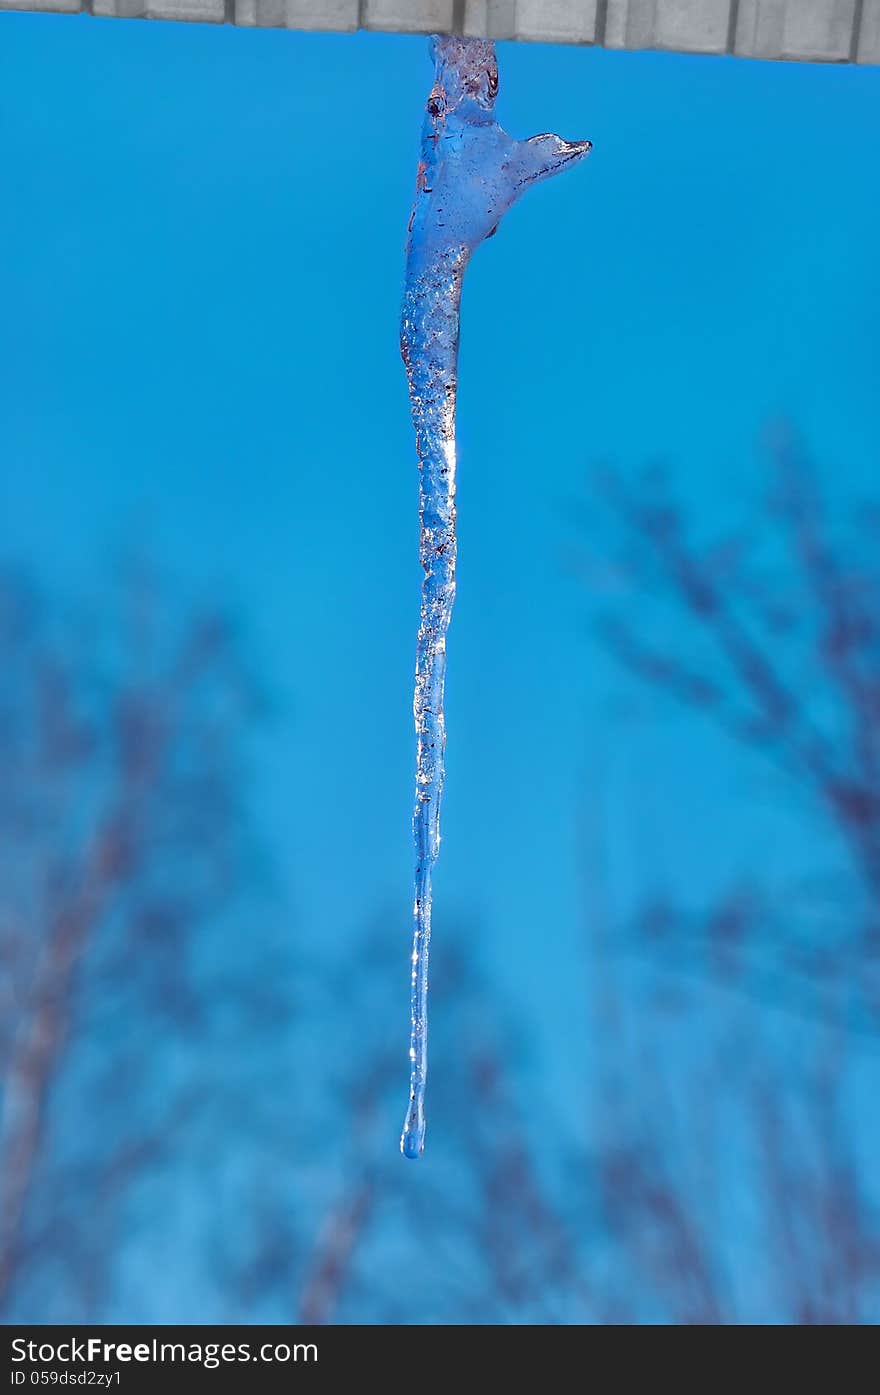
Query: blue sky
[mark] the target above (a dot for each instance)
(202, 242)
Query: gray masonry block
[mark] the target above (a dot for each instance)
(693, 26)
(868, 48)
(61, 7)
(556, 21)
(194, 11)
(409, 16)
(819, 30)
(340, 15)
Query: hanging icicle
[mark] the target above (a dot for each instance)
(469, 174)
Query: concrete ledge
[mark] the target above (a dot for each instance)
(829, 31)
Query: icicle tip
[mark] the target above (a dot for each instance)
(412, 1140)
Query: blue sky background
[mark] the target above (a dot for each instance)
(201, 252)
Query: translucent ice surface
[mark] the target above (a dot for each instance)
(469, 174)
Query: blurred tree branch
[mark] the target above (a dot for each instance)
(774, 635)
(124, 830)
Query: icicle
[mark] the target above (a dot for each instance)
(469, 174)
